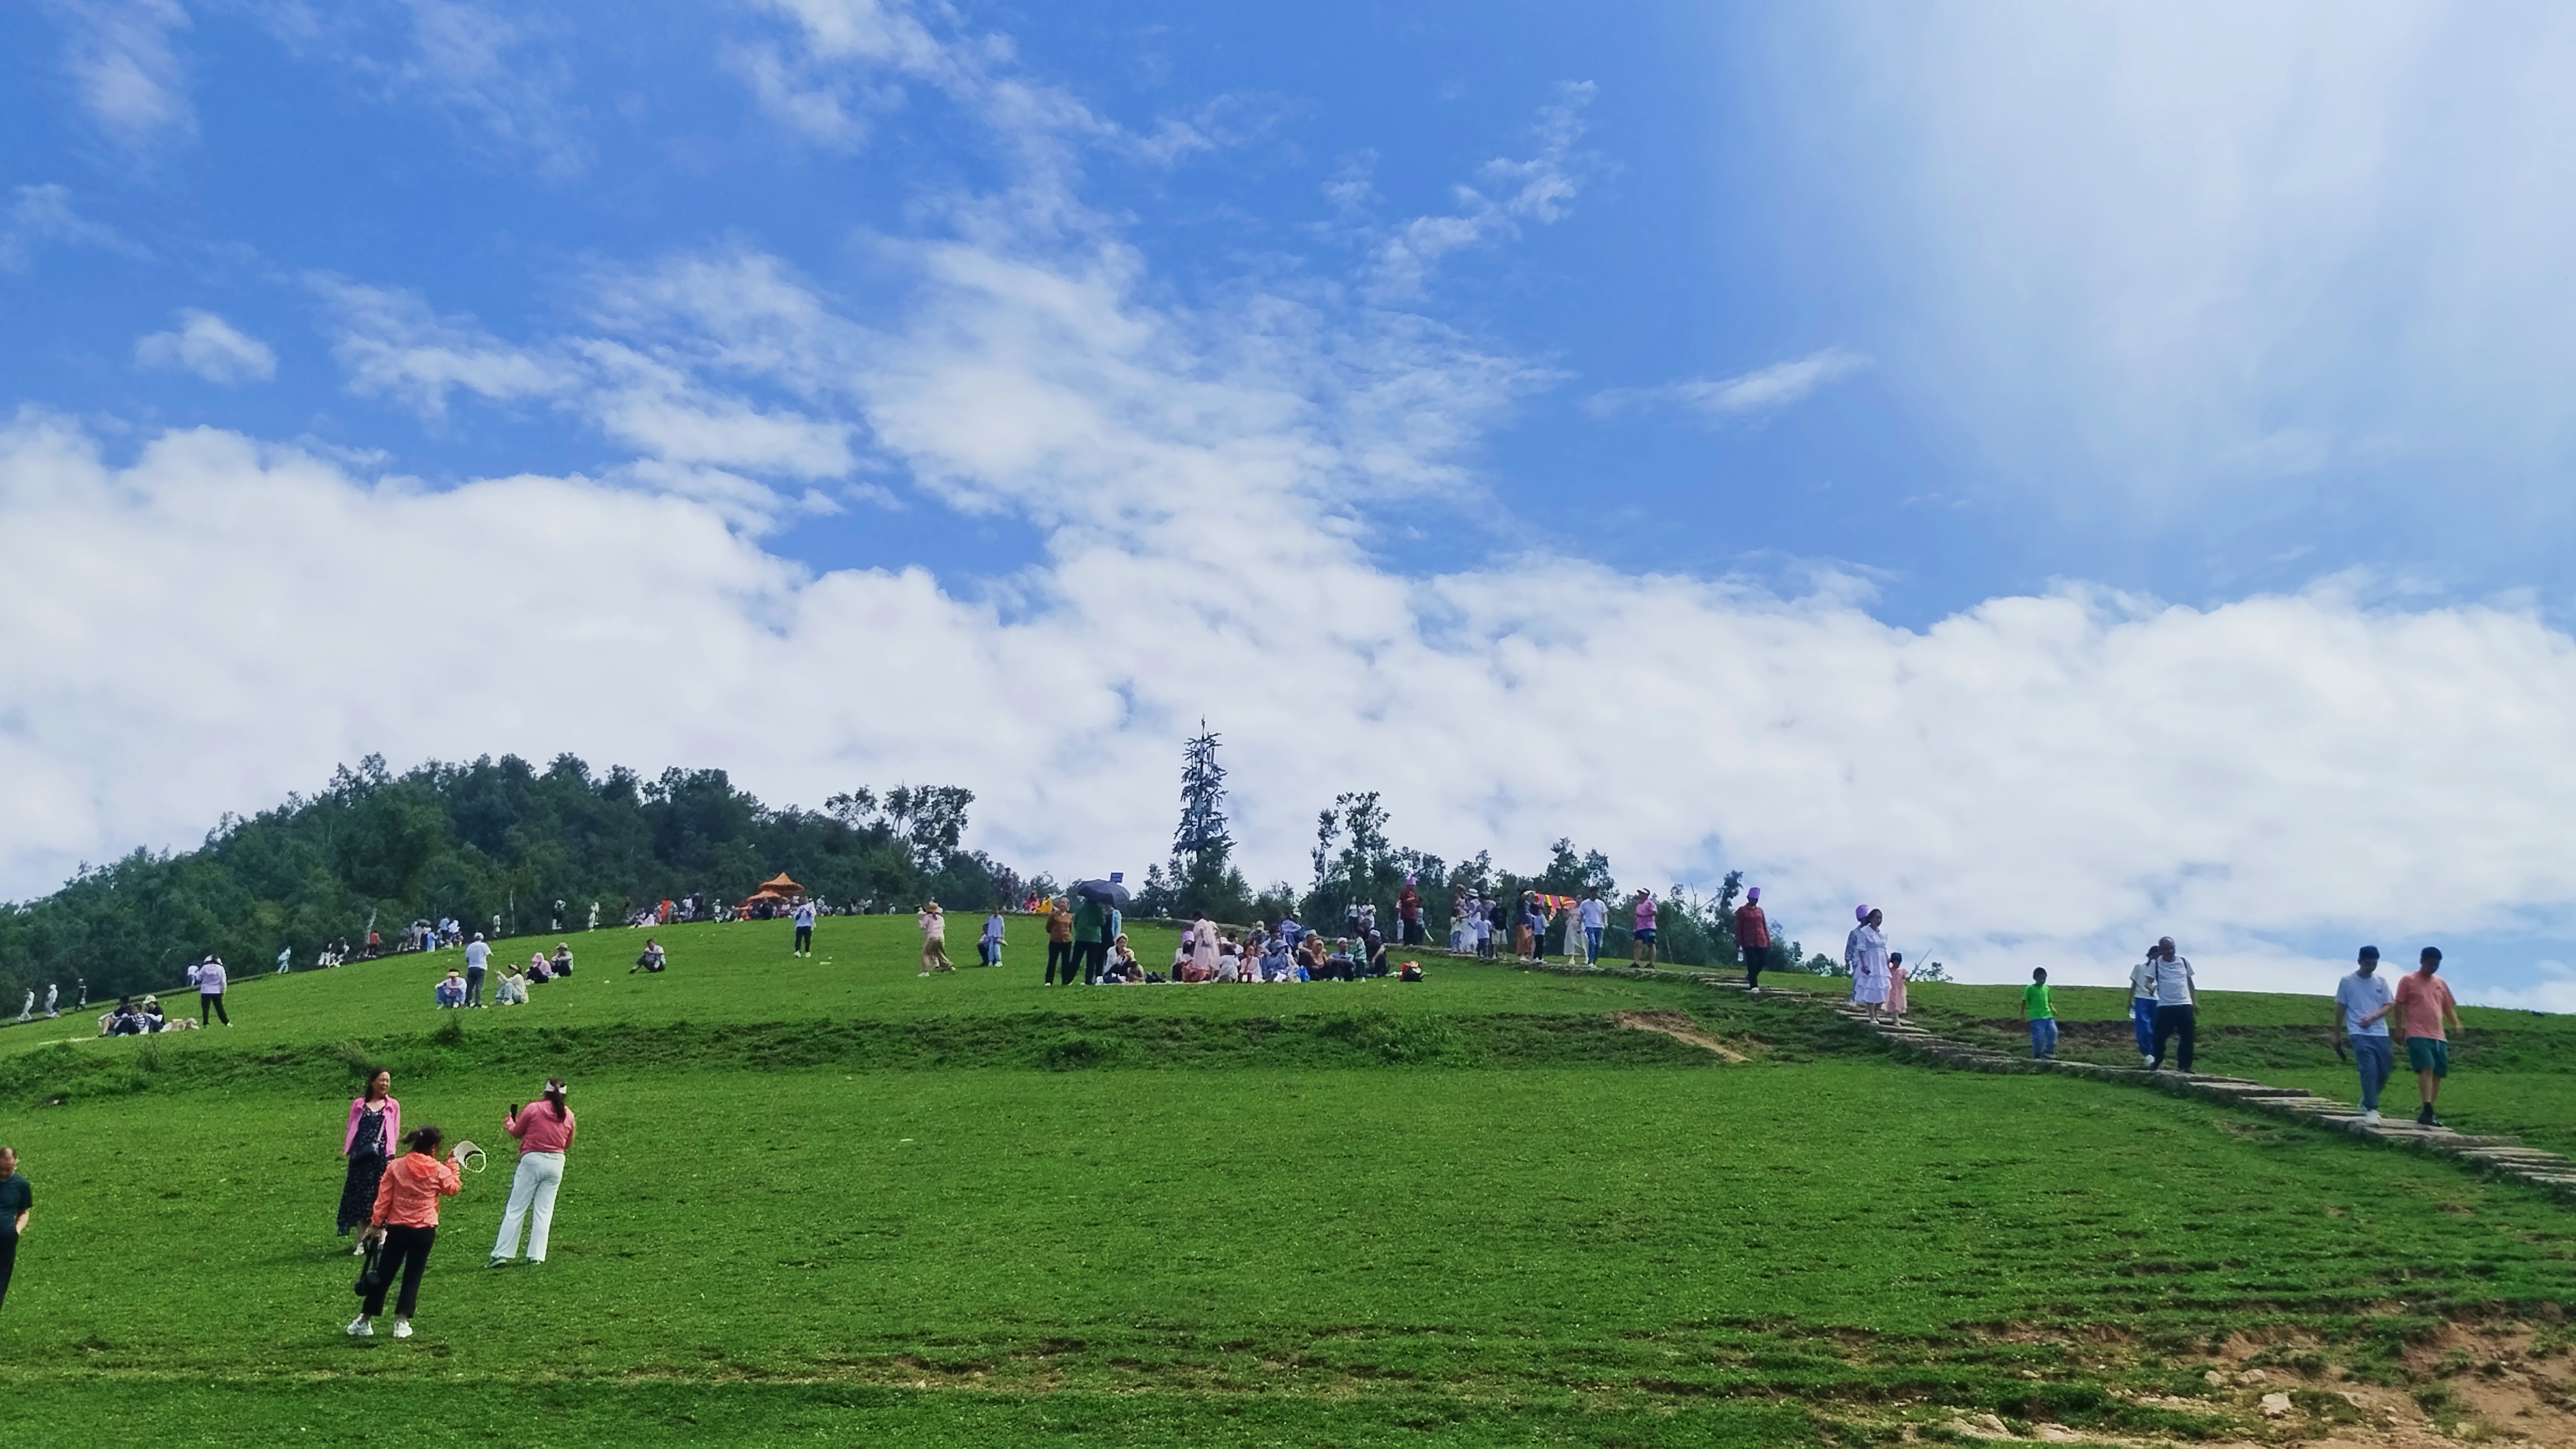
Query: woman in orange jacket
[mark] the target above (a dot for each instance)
(405, 1223)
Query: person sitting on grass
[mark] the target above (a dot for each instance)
(125, 1020)
(153, 1020)
(1229, 960)
(513, 990)
(651, 961)
(1373, 953)
(449, 993)
(1411, 971)
(562, 963)
(539, 972)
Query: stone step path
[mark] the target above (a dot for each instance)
(2500, 1156)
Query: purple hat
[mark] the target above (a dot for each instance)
(1754, 894)
(1860, 913)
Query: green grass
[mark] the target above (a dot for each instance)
(836, 1203)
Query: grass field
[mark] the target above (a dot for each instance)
(832, 1202)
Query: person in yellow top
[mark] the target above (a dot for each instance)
(1060, 942)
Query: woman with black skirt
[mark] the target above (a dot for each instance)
(375, 1125)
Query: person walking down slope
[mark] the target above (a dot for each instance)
(1641, 934)
(477, 956)
(285, 960)
(375, 1125)
(2142, 1006)
(1596, 919)
(1896, 988)
(2176, 1000)
(208, 977)
(1753, 938)
(1865, 956)
(2362, 1002)
(804, 930)
(405, 1225)
(2424, 1004)
(934, 939)
(544, 1130)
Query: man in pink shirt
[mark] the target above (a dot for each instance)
(1641, 936)
(2424, 1005)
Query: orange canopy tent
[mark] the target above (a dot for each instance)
(777, 888)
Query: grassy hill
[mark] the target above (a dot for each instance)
(833, 1202)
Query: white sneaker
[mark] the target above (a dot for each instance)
(402, 1328)
(2145, 1060)
(2371, 1117)
(359, 1327)
(359, 1251)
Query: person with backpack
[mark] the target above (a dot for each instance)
(404, 1225)
(544, 1134)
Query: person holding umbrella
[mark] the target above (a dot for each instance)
(1095, 921)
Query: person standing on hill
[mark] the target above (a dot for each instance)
(2142, 1006)
(1408, 913)
(285, 960)
(988, 946)
(2362, 1001)
(1596, 919)
(1059, 962)
(2177, 1001)
(934, 939)
(208, 977)
(2424, 1004)
(477, 955)
(804, 929)
(405, 1225)
(1865, 957)
(2041, 1016)
(17, 1199)
(1091, 937)
(544, 1136)
(1753, 938)
(375, 1125)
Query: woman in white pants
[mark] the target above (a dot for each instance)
(544, 1130)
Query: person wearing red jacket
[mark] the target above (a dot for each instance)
(405, 1223)
(1753, 938)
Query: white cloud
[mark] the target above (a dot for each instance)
(483, 65)
(394, 346)
(210, 347)
(2175, 250)
(126, 70)
(1537, 188)
(1747, 394)
(41, 214)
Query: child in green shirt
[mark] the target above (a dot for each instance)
(2035, 1010)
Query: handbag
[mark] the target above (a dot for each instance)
(371, 1269)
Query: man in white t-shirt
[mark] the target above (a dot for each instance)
(804, 930)
(1595, 917)
(2361, 1017)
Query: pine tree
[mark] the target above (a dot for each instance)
(1201, 843)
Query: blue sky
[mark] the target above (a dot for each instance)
(1762, 366)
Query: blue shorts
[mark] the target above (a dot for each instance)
(1647, 935)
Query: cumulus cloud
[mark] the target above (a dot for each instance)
(210, 347)
(1747, 394)
(126, 70)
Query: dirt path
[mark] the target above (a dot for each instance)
(1678, 1026)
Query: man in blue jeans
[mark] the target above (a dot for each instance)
(2042, 1017)
(2361, 1018)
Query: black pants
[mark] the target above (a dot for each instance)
(8, 1263)
(1755, 958)
(212, 1001)
(2169, 1020)
(408, 1249)
(1059, 955)
(804, 938)
(1091, 958)
(474, 986)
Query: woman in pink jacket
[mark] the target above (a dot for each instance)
(375, 1125)
(544, 1129)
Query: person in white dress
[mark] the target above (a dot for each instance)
(1865, 952)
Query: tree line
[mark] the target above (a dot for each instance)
(475, 841)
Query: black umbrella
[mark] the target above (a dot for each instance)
(1106, 892)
